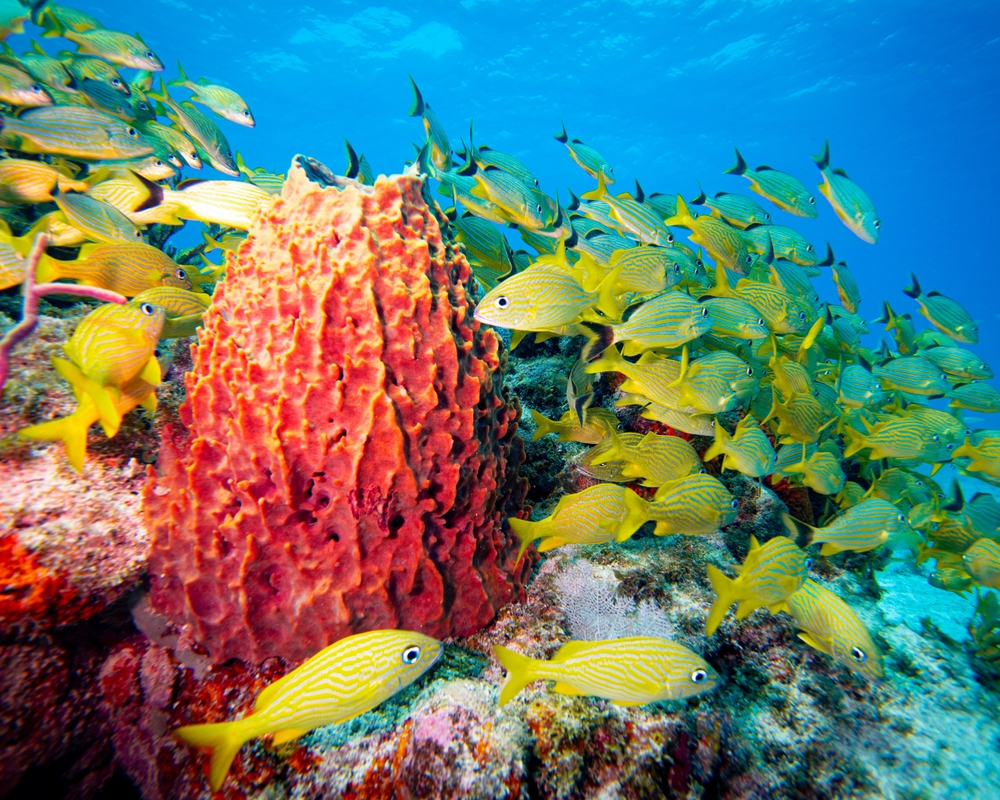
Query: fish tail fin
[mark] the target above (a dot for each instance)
(520, 672)
(685, 362)
(154, 192)
(684, 218)
(180, 81)
(71, 431)
(39, 10)
(426, 166)
(109, 415)
(888, 317)
(601, 190)
(740, 167)
(46, 20)
(562, 137)
(353, 162)
(603, 338)
(856, 441)
(823, 159)
(224, 739)
(47, 269)
(417, 106)
(829, 260)
(636, 516)
(544, 425)
(725, 597)
(526, 531)
(800, 532)
(718, 447)
(702, 198)
(913, 291)
(607, 300)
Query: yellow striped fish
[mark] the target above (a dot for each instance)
(982, 561)
(628, 672)
(768, 576)
(857, 387)
(983, 450)
(72, 429)
(632, 216)
(913, 375)
(183, 308)
(440, 148)
(114, 46)
(787, 243)
(592, 162)
(124, 268)
(224, 102)
(870, 524)
(847, 288)
(205, 133)
(957, 361)
(23, 181)
(695, 424)
(716, 382)
(232, 204)
(647, 269)
(607, 470)
(831, 626)
(694, 505)
(17, 88)
(785, 191)
(651, 376)
(97, 220)
(172, 140)
(543, 297)
(67, 18)
(748, 450)
(897, 437)
(849, 200)
(820, 470)
(654, 459)
(596, 424)
(602, 513)
(945, 314)
(979, 397)
(666, 322)
(733, 317)
(733, 208)
(724, 242)
(801, 418)
(112, 345)
(904, 331)
(340, 682)
(73, 131)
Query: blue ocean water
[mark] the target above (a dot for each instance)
(905, 91)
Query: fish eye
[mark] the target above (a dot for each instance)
(950, 446)
(876, 224)
(812, 200)
(968, 432)
(734, 505)
(920, 483)
(809, 248)
(699, 263)
(677, 267)
(750, 259)
(802, 315)
(760, 320)
(501, 302)
(411, 655)
(936, 438)
(132, 132)
(149, 54)
(35, 87)
(809, 563)
(116, 82)
(699, 676)
(538, 209)
(147, 309)
(767, 217)
(901, 517)
(143, 106)
(878, 385)
(670, 238)
(181, 274)
(704, 311)
(859, 655)
(749, 372)
(246, 112)
(702, 471)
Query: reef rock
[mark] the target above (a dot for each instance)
(348, 456)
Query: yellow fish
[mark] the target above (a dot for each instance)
(628, 672)
(597, 422)
(340, 682)
(863, 527)
(654, 459)
(748, 450)
(982, 561)
(694, 505)
(124, 268)
(600, 513)
(72, 429)
(831, 626)
(112, 345)
(983, 448)
(849, 200)
(769, 575)
(23, 181)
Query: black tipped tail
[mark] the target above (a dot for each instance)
(604, 337)
(353, 162)
(823, 159)
(829, 260)
(914, 290)
(798, 531)
(957, 500)
(740, 167)
(887, 314)
(701, 199)
(155, 193)
(562, 137)
(417, 106)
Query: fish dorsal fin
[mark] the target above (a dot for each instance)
(754, 544)
(840, 172)
(569, 650)
(765, 168)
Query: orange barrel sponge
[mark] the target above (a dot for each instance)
(348, 455)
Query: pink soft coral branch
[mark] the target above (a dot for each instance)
(32, 292)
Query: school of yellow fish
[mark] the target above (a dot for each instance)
(702, 306)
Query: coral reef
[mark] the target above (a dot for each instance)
(347, 457)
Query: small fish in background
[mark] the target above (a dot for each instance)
(49, 15)
(785, 191)
(222, 101)
(847, 287)
(628, 672)
(97, 220)
(733, 208)
(945, 314)
(863, 527)
(440, 147)
(592, 162)
(905, 331)
(340, 682)
(956, 362)
(849, 200)
(357, 166)
(602, 513)
(568, 428)
(114, 46)
(768, 576)
(652, 459)
(734, 317)
(832, 627)
(18, 88)
(665, 322)
(211, 141)
(486, 157)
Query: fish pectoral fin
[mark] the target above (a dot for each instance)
(565, 688)
(809, 639)
(746, 608)
(550, 543)
(287, 735)
(149, 403)
(830, 549)
(151, 372)
(569, 650)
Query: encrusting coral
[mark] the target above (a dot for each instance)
(349, 456)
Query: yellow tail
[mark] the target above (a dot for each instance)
(520, 672)
(718, 447)
(71, 430)
(725, 597)
(224, 739)
(543, 425)
(638, 515)
(526, 531)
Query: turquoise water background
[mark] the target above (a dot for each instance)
(906, 92)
